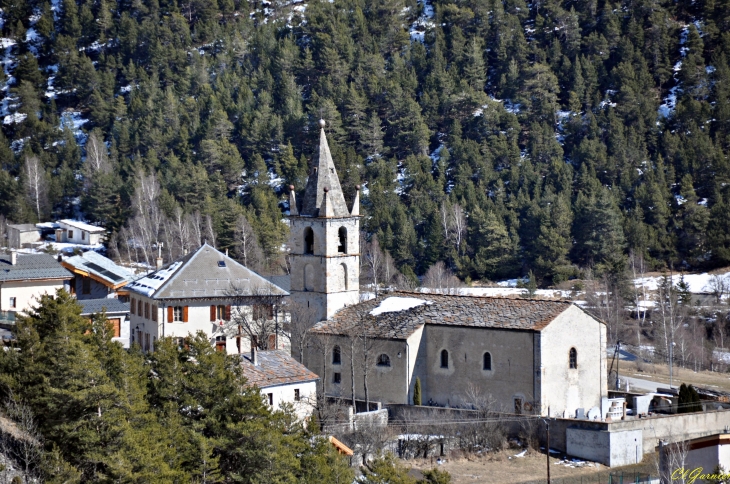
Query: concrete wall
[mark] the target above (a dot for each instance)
(26, 293)
(511, 375)
(620, 448)
(285, 394)
(17, 239)
(564, 389)
(669, 428)
(385, 384)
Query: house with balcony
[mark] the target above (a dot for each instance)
(204, 291)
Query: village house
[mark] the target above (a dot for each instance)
(203, 291)
(75, 232)
(528, 356)
(117, 313)
(23, 235)
(24, 278)
(95, 276)
(281, 379)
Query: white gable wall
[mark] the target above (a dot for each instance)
(564, 390)
(283, 394)
(26, 293)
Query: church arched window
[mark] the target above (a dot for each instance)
(342, 234)
(573, 358)
(344, 276)
(308, 240)
(308, 277)
(383, 360)
(444, 359)
(487, 364)
(336, 356)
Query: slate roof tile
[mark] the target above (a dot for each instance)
(31, 267)
(470, 311)
(275, 367)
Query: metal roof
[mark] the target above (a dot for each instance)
(283, 281)
(101, 267)
(204, 273)
(275, 367)
(31, 267)
(82, 226)
(94, 306)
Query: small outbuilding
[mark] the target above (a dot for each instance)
(76, 232)
(23, 235)
(281, 379)
(117, 312)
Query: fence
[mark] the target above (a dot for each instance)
(612, 478)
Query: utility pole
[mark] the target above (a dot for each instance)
(547, 449)
(618, 352)
(671, 360)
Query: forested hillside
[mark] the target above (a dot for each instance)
(498, 136)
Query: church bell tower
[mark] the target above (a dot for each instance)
(325, 240)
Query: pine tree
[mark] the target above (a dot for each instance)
(417, 392)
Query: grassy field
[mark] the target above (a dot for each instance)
(504, 467)
(660, 373)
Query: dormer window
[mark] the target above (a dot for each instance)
(221, 263)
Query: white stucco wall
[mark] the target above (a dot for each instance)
(564, 390)
(76, 236)
(26, 293)
(198, 320)
(285, 394)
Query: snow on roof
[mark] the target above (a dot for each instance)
(147, 285)
(395, 304)
(82, 226)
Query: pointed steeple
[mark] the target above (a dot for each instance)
(323, 175)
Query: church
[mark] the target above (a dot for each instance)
(524, 355)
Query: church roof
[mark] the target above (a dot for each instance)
(323, 176)
(204, 273)
(403, 318)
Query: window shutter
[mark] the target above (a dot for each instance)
(185, 314)
(228, 312)
(212, 313)
(170, 315)
(131, 306)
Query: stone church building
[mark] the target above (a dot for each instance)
(529, 356)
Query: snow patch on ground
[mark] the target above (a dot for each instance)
(14, 118)
(73, 121)
(396, 304)
(698, 283)
(423, 23)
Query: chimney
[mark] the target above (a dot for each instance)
(292, 202)
(60, 257)
(13, 258)
(254, 355)
(356, 203)
(226, 252)
(158, 263)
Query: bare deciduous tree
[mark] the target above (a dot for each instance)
(247, 249)
(719, 285)
(254, 315)
(36, 185)
(440, 279)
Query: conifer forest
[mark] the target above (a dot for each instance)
(500, 137)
